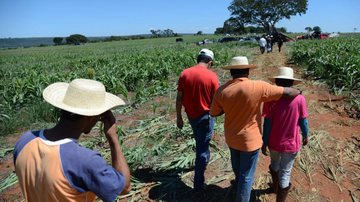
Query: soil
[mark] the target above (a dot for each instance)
(327, 114)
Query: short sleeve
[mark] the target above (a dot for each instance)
(271, 92)
(180, 86)
(216, 107)
(302, 107)
(86, 170)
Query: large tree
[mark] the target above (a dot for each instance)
(265, 13)
(76, 39)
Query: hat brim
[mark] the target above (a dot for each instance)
(55, 93)
(296, 81)
(239, 67)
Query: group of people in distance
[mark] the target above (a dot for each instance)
(266, 42)
(52, 166)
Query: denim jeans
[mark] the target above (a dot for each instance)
(202, 128)
(282, 163)
(244, 167)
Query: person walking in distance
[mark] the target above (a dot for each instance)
(195, 91)
(52, 166)
(262, 44)
(240, 100)
(283, 120)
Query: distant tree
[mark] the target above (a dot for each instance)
(317, 32)
(282, 29)
(168, 33)
(233, 26)
(308, 29)
(58, 40)
(265, 13)
(199, 33)
(253, 29)
(162, 33)
(219, 30)
(317, 29)
(76, 39)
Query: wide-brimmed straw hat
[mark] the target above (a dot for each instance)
(239, 62)
(285, 73)
(81, 96)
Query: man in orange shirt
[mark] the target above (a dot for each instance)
(196, 89)
(240, 100)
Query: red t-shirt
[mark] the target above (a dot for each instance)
(198, 85)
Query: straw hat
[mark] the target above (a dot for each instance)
(285, 73)
(207, 52)
(239, 62)
(81, 96)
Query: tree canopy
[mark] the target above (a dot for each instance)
(57, 40)
(76, 39)
(265, 13)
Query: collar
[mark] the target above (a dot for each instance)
(59, 142)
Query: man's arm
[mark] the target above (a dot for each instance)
(304, 130)
(219, 114)
(266, 133)
(179, 120)
(290, 92)
(117, 157)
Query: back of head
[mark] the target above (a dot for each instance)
(239, 72)
(205, 55)
(284, 82)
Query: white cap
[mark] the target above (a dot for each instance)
(207, 52)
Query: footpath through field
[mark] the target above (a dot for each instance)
(328, 169)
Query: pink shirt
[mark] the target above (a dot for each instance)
(284, 116)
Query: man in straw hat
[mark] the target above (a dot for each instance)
(196, 88)
(52, 166)
(282, 121)
(240, 100)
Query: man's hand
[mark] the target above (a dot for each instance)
(305, 141)
(179, 123)
(264, 150)
(109, 124)
(117, 157)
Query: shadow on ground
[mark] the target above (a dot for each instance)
(171, 188)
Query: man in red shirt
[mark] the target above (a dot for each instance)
(196, 89)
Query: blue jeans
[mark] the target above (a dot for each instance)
(282, 163)
(244, 167)
(202, 128)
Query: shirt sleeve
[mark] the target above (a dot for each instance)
(271, 92)
(216, 107)
(302, 107)
(86, 170)
(180, 86)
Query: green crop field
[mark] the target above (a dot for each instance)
(143, 67)
(335, 61)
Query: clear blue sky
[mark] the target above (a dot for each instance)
(49, 18)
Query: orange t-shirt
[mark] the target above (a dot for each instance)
(240, 99)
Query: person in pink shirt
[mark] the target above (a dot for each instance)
(283, 120)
